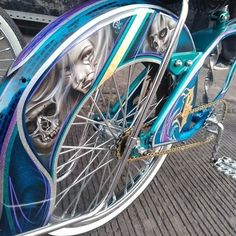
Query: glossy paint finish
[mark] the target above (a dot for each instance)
(28, 202)
(168, 117)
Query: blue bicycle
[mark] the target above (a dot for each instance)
(93, 105)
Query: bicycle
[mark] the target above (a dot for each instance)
(92, 106)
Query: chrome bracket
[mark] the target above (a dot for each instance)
(217, 128)
(223, 164)
(227, 166)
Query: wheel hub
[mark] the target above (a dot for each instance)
(121, 143)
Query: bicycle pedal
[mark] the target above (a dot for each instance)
(227, 166)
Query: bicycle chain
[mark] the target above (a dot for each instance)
(175, 149)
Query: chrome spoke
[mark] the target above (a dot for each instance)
(75, 157)
(5, 50)
(104, 103)
(142, 95)
(152, 120)
(88, 120)
(140, 104)
(78, 180)
(96, 122)
(85, 144)
(127, 96)
(85, 148)
(85, 131)
(136, 117)
(126, 179)
(119, 97)
(78, 123)
(109, 105)
(154, 106)
(131, 113)
(135, 166)
(103, 118)
(6, 60)
(83, 183)
(131, 177)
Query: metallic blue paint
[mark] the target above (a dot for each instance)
(29, 181)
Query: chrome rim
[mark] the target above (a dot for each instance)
(9, 46)
(88, 161)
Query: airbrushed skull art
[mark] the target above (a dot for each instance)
(43, 124)
(66, 84)
(161, 32)
(45, 113)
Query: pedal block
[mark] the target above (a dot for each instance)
(227, 166)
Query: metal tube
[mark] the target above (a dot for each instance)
(137, 126)
(141, 118)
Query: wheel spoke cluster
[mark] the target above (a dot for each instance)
(87, 162)
(6, 55)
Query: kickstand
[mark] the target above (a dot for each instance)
(217, 128)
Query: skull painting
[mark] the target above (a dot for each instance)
(64, 86)
(161, 32)
(43, 125)
(50, 104)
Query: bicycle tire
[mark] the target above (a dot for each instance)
(140, 173)
(13, 40)
(39, 72)
(140, 180)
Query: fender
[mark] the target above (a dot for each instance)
(28, 171)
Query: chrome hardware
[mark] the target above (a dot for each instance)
(178, 63)
(217, 128)
(227, 166)
(189, 63)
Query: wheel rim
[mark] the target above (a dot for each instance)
(90, 162)
(9, 46)
(100, 126)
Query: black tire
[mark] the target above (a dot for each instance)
(11, 42)
(14, 27)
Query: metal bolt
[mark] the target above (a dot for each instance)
(178, 63)
(142, 150)
(189, 63)
(224, 17)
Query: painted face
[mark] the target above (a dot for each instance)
(83, 67)
(48, 107)
(161, 32)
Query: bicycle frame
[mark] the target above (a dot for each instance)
(187, 82)
(35, 62)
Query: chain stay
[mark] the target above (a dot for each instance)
(183, 147)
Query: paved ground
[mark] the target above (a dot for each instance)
(187, 197)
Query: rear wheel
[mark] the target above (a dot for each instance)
(79, 114)
(11, 42)
(90, 154)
